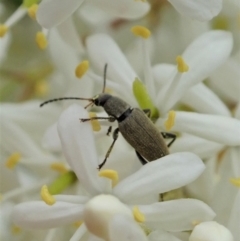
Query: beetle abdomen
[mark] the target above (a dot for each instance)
(143, 136)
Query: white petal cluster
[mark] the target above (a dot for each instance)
(142, 188)
(202, 88)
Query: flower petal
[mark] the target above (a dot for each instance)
(221, 129)
(203, 100)
(4, 43)
(176, 215)
(233, 223)
(79, 147)
(199, 146)
(160, 235)
(229, 71)
(202, 10)
(123, 9)
(69, 34)
(51, 140)
(210, 231)
(132, 231)
(165, 174)
(119, 69)
(39, 215)
(203, 56)
(53, 12)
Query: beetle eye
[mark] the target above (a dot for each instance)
(96, 100)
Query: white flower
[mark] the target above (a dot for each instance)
(167, 86)
(210, 231)
(25, 164)
(203, 10)
(141, 188)
(54, 12)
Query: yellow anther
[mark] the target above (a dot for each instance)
(16, 230)
(138, 216)
(111, 174)
(32, 11)
(13, 160)
(3, 30)
(169, 123)
(220, 22)
(81, 69)
(46, 196)
(41, 40)
(195, 223)
(141, 31)
(78, 224)
(182, 66)
(41, 88)
(108, 90)
(59, 167)
(235, 181)
(95, 123)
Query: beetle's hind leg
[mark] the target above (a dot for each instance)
(167, 135)
(147, 112)
(115, 137)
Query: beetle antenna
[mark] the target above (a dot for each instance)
(90, 104)
(104, 77)
(64, 98)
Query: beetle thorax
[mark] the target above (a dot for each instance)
(115, 106)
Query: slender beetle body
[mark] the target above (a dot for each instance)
(135, 126)
(133, 123)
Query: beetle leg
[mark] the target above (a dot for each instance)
(167, 135)
(115, 136)
(109, 130)
(147, 112)
(110, 118)
(141, 158)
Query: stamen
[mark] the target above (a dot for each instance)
(59, 167)
(62, 182)
(143, 98)
(13, 160)
(3, 30)
(108, 90)
(46, 196)
(95, 123)
(182, 66)
(111, 174)
(195, 223)
(235, 181)
(41, 88)
(41, 40)
(16, 230)
(138, 216)
(78, 224)
(141, 31)
(169, 123)
(81, 69)
(29, 3)
(220, 22)
(32, 11)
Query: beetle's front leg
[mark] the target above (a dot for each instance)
(109, 118)
(115, 137)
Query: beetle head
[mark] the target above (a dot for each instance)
(100, 100)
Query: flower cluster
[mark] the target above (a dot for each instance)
(178, 61)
